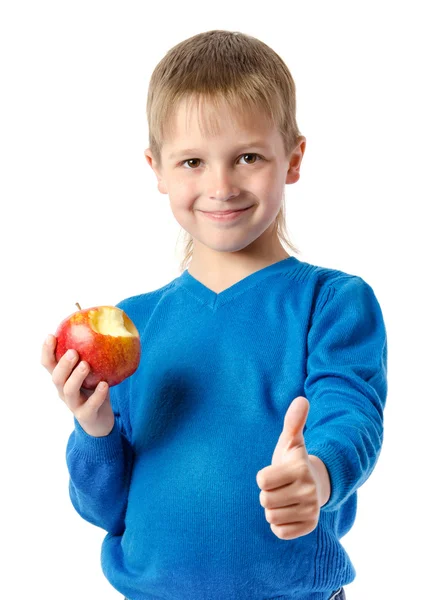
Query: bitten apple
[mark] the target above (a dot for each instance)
(106, 338)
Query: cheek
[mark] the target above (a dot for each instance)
(271, 198)
(182, 204)
(268, 187)
(182, 191)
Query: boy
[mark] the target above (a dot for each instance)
(230, 466)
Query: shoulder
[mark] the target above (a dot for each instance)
(140, 306)
(326, 283)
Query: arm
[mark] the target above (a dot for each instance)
(347, 387)
(100, 467)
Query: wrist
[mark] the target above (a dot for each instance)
(323, 479)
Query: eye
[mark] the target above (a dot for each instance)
(251, 154)
(190, 160)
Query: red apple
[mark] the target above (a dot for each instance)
(106, 338)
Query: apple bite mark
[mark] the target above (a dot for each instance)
(106, 338)
(107, 321)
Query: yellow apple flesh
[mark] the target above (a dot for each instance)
(104, 337)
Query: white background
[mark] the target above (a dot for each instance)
(82, 221)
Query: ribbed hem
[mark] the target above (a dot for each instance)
(333, 568)
(295, 596)
(301, 596)
(97, 449)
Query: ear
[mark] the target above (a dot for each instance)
(295, 159)
(152, 163)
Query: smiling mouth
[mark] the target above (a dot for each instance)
(225, 212)
(226, 216)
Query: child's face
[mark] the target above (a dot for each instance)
(222, 172)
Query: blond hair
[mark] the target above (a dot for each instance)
(230, 68)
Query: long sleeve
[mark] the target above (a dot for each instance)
(100, 467)
(346, 384)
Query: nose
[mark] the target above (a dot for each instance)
(221, 186)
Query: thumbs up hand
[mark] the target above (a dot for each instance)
(296, 484)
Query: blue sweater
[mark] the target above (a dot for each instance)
(174, 483)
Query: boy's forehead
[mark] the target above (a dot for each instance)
(202, 119)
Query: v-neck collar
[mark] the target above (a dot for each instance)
(215, 299)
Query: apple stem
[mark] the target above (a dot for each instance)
(77, 304)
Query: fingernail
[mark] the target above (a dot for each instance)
(70, 354)
(48, 340)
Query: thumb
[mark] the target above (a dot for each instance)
(292, 433)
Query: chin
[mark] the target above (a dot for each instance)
(233, 246)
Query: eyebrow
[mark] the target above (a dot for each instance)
(191, 151)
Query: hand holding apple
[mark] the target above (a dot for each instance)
(91, 405)
(104, 337)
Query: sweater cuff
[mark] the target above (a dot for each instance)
(97, 449)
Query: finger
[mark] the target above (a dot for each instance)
(294, 422)
(287, 515)
(48, 358)
(276, 476)
(292, 530)
(63, 369)
(92, 405)
(72, 393)
(284, 496)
